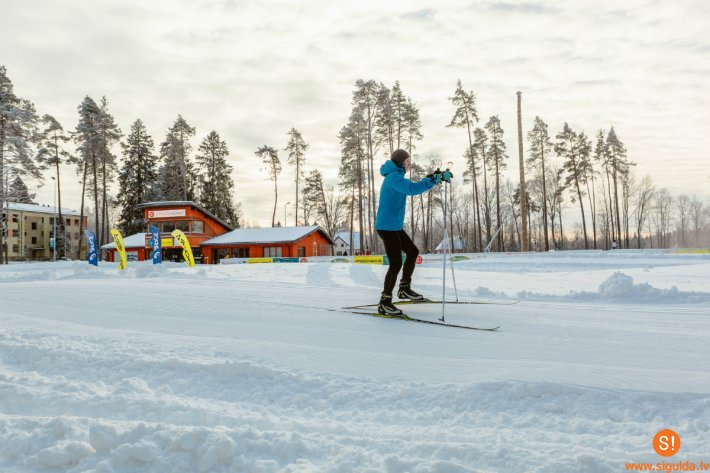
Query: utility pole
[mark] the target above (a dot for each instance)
(524, 246)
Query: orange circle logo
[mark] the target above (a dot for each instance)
(666, 443)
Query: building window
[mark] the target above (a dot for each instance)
(15, 248)
(272, 251)
(68, 221)
(34, 240)
(183, 225)
(301, 251)
(14, 218)
(223, 253)
(34, 226)
(167, 227)
(198, 226)
(242, 252)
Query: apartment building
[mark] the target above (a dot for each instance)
(29, 232)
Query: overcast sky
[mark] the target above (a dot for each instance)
(251, 70)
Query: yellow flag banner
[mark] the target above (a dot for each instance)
(186, 250)
(118, 240)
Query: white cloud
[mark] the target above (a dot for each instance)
(253, 70)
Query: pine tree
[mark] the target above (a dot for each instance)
(20, 192)
(540, 150)
(296, 148)
(270, 157)
(18, 132)
(616, 157)
(52, 152)
(109, 134)
(574, 150)
(466, 116)
(411, 133)
(367, 103)
(86, 139)
(498, 155)
(177, 175)
(316, 195)
(217, 185)
(137, 179)
(353, 172)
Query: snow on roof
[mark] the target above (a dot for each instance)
(39, 209)
(345, 236)
(133, 241)
(263, 235)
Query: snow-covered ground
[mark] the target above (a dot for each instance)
(240, 368)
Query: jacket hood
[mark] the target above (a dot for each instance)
(389, 167)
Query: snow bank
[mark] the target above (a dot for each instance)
(620, 288)
(242, 368)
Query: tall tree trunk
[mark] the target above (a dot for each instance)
(590, 195)
(359, 205)
(581, 206)
(611, 205)
(104, 204)
(498, 219)
(276, 199)
(562, 234)
(81, 212)
(475, 185)
(523, 193)
(544, 197)
(486, 202)
(3, 196)
(96, 199)
(352, 221)
(616, 203)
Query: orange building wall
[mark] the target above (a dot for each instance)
(288, 250)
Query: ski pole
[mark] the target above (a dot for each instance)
(451, 261)
(445, 244)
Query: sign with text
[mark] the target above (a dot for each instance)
(166, 213)
(369, 260)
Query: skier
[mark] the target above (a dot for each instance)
(390, 221)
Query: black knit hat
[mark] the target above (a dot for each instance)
(399, 156)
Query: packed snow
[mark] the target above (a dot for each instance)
(243, 367)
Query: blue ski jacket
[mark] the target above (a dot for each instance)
(393, 196)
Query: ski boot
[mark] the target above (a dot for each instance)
(406, 292)
(385, 307)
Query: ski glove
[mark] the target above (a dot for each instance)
(447, 176)
(435, 177)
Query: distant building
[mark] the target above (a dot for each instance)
(30, 231)
(276, 242)
(198, 224)
(212, 240)
(342, 243)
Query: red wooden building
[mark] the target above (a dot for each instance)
(276, 242)
(211, 239)
(197, 223)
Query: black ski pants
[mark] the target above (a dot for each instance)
(395, 243)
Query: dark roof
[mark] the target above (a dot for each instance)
(182, 203)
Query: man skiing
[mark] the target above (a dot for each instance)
(390, 221)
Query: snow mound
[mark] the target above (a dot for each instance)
(150, 270)
(620, 287)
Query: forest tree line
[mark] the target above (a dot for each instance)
(566, 171)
